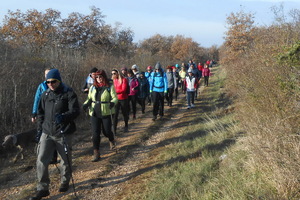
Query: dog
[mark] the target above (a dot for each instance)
(21, 141)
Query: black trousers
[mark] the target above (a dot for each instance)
(206, 80)
(98, 125)
(123, 105)
(142, 102)
(158, 103)
(169, 96)
(132, 100)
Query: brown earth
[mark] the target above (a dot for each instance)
(116, 173)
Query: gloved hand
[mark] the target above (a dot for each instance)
(88, 104)
(59, 118)
(85, 107)
(111, 105)
(38, 136)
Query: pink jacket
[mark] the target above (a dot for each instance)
(205, 72)
(134, 85)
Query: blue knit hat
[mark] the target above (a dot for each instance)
(53, 74)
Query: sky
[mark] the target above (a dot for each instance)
(202, 20)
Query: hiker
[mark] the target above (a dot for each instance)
(143, 91)
(122, 88)
(124, 71)
(198, 75)
(89, 81)
(158, 86)
(57, 110)
(41, 88)
(101, 102)
(132, 97)
(176, 73)
(148, 75)
(190, 83)
(172, 85)
(135, 70)
(206, 74)
(182, 75)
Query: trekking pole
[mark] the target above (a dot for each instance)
(70, 168)
(112, 123)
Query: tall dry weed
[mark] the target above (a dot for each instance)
(268, 107)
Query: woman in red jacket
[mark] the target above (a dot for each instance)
(121, 87)
(205, 74)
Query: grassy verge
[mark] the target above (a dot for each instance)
(206, 161)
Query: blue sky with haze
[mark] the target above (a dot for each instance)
(202, 20)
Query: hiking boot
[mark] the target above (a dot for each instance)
(125, 129)
(40, 194)
(96, 156)
(154, 118)
(188, 107)
(160, 117)
(193, 106)
(64, 187)
(112, 145)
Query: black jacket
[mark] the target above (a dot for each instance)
(62, 101)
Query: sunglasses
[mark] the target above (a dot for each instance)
(114, 73)
(51, 82)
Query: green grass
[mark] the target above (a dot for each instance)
(207, 161)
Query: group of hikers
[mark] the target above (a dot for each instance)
(56, 107)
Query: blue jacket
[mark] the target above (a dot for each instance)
(148, 75)
(41, 88)
(159, 82)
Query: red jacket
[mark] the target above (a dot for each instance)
(205, 72)
(200, 67)
(121, 88)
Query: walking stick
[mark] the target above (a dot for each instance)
(112, 123)
(70, 168)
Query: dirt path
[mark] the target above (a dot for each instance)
(108, 178)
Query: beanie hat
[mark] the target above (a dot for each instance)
(53, 74)
(190, 70)
(176, 65)
(134, 67)
(158, 65)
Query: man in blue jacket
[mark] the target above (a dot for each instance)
(158, 87)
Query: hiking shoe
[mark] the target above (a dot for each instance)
(40, 194)
(154, 118)
(125, 129)
(96, 156)
(193, 106)
(188, 107)
(64, 187)
(112, 145)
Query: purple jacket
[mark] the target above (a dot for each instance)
(133, 85)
